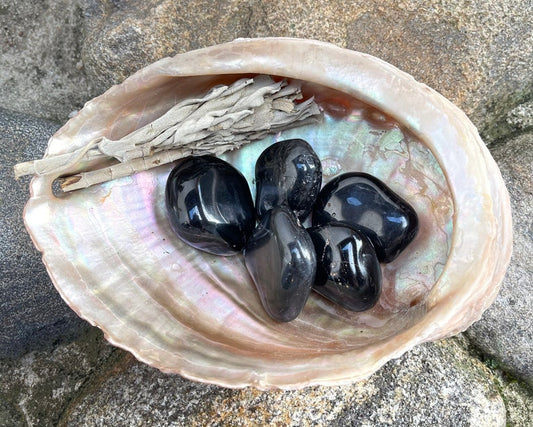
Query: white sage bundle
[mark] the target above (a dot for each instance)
(224, 119)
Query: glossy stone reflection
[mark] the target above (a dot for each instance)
(348, 271)
(288, 173)
(364, 202)
(280, 257)
(209, 205)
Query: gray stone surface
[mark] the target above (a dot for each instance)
(518, 400)
(41, 72)
(521, 117)
(479, 54)
(57, 54)
(88, 382)
(435, 384)
(123, 37)
(32, 313)
(37, 388)
(505, 331)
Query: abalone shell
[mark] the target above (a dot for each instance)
(115, 260)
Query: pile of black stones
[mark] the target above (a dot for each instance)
(357, 223)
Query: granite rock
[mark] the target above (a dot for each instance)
(505, 332)
(37, 388)
(88, 382)
(435, 384)
(521, 117)
(516, 394)
(32, 313)
(478, 54)
(41, 72)
(123, 36)
(518, 398)
(58, 54)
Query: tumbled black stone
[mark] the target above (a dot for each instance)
(280, 257)
(348, 271)
(209, 205)
(288, 173)
(364, 202)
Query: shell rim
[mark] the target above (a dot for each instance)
(417, 333)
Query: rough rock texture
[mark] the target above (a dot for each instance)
(88, 382)
(37, 388)
(505, 331)
(124, 37)
(518, 400)
(32, 313)
(57, 54)
(436, 384)
(41, 72)
(521, 117)
(478, 54)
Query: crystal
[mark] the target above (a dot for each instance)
(288, 173)
(209, 205)
(348, 271)
(281, 259)
(364, 202)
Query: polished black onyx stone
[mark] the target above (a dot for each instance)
(364, 202)
(209, 205)
(288, 173)
(281, 259)
(348, 271)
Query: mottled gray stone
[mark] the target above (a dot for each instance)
(505, 332)
(38, 388)
(41, 72)
(123, 36)
(518, 398)
(435, 384)
(521, 117)
(32, 313)
(478, 54)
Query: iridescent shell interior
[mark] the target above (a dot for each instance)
(113, 257)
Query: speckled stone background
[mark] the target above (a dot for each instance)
(56, 54)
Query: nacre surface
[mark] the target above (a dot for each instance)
(113, 257)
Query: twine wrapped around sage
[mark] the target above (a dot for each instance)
(224, 119)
